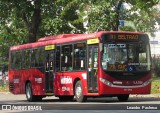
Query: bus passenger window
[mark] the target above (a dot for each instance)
(12, 61)
(66, 58)
(95, 57)
(57, 61)
(79, 56)
(40, 56)
(33, 58)
(18, 60)
(27, 59)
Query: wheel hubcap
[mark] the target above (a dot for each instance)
(28, 92)
(78, 91)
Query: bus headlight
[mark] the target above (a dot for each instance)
(106, 82)
(146, 82)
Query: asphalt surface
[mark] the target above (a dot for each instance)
(142, 103)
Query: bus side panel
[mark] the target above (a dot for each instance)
(37, 80)
(64, 82)
(15, 81)
(18, 79)
(11, 85)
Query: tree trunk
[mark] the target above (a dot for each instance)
(115, 28)
(33, 25)
(32, 36)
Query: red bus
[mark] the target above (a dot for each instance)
(110, 64)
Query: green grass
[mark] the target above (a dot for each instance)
(4, 87)
(155, 88)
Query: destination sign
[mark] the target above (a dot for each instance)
(124, 37)
(117, 67)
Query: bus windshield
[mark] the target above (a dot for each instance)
(126, 57)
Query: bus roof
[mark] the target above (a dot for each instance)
(65, 38)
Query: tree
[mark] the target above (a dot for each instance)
(26, 20)
(27, 11)
(105, 15)
(67, 19)
(143, 12)
(43, 17)
(23, 21)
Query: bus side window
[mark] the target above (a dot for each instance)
(12, 61)
(18, 60)
(27, 59)
(66, 58)
(57, 61)
(79, 56)
(33, 58)
(40, 57)
(15, 60)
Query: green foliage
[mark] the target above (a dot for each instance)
(157, 69)
(64, 18)
(127, 28)
(4, 87)
(27, 20)
(104, 15)
(67, 16)
(156, 65)
(12, 32)
(155, 88)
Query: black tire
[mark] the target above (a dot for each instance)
(79, 92)
(66, 98)
(123, 98)
(29, 94)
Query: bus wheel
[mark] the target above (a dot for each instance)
(66, 98)
(29, 93)
(123, 98)
(79, 92)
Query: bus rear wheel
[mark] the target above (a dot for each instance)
(29, 93)
(79, 92)
(123, 98)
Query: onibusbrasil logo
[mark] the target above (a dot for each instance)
(21, 107)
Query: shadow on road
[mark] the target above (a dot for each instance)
(98, 100)
(104, 100)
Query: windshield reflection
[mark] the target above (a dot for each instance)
(126, 57)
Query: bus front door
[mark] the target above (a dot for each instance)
(49, 67)
(92, 69)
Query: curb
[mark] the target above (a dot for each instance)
(5, 93)
(145, 96)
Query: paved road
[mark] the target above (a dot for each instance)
(142, 103)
